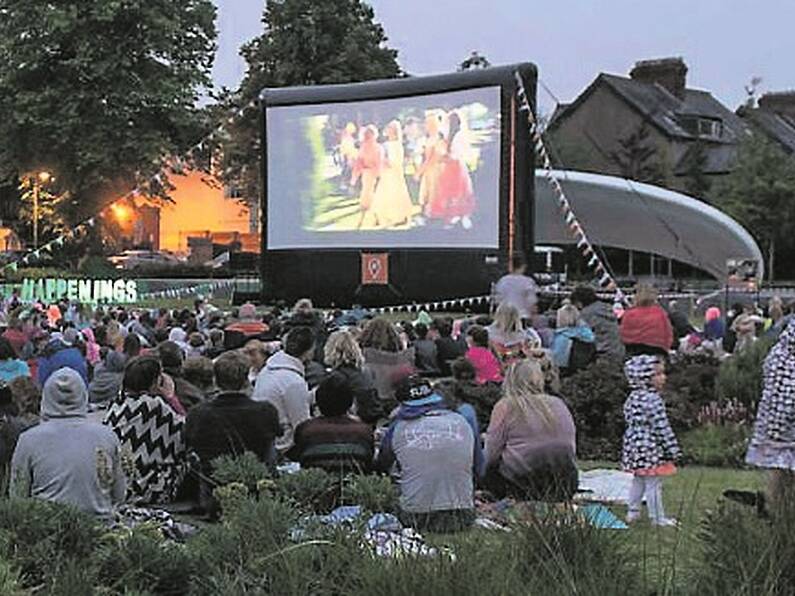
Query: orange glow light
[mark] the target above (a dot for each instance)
(121, 212)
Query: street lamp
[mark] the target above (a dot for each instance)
(41, 178)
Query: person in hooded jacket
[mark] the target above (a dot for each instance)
(649, 447)
(438, 456)
(568, 332)
(599, 316)
(60, 352)
(108, 377)
(68, 458)
(282, 383)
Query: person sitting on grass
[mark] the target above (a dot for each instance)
(473, 400)
(574, 344)
(426, 357)
(487, 367)
(434, 450)
(508, 338)
(447, 348)
(68, 458)
(384, 358)
(282, 383)
(231, 423)
(335, 441)
(150, 431)
(343, 355)
(530, 441)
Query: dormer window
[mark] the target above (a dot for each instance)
(702, 127)
(710, 127)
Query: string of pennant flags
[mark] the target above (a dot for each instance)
(433, 305)
(188, 290)
(176, 164)
(573, 224)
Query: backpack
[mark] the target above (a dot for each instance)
(581, 355)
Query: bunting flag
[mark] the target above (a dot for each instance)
(575, 227)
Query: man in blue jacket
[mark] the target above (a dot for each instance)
(60, 352)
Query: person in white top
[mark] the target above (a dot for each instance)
(517, 289)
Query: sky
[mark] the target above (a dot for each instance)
(724, 42)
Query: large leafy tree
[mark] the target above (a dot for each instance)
(305, 42)
(100, 92)
(760, 194)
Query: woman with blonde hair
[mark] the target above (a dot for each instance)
(646, 328)
(574, 343)
(343, 355)
(385, 359)
(507, 337)
(531, 440)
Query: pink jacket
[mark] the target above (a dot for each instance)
(487, 367)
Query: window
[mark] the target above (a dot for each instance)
(710, 127)
(700, 126)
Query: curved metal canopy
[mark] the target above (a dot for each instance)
(634, 216)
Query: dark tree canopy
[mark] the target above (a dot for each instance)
(760, 193)
(305, 42)
(99, 92)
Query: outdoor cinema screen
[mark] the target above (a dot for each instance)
(408, 172)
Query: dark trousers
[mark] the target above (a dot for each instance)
(440, 522)
(553, 482)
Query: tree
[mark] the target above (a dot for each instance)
(638, 158)
(697, 183)
(100, 92)
(305, 42)
(760, 194)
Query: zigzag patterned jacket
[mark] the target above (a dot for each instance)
(152, 434)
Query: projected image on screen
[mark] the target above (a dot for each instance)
(418, 171)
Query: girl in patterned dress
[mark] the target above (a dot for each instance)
(773, 442)
(650, 446)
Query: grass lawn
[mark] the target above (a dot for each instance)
(671, 554)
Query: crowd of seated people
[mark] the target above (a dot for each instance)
(445, 407)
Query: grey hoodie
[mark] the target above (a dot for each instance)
(281, 382)
(106, 384)
(67, 458)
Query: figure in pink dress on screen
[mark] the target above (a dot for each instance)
(454, 200)
(392, 202)
(367, 168)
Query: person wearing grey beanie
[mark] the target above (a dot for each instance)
(69, 458)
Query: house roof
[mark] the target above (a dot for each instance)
(663, 110)
(718, 159)
(779, 127)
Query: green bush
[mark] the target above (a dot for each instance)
(310, 489)
(743, 554)
(141, 559)
(246, 469)
(740, 377)
(690, 386)
(374, 493)
(716, 445)
(35, 531)
(595, 396)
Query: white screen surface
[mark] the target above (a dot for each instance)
(411, 172)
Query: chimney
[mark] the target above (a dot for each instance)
(671, 73)
(781, 103)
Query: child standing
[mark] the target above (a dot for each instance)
(650, 446)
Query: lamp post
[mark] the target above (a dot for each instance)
(41, 178)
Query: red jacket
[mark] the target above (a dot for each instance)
(647, 325)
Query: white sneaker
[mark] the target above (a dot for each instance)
(466, 223)
(666, 522)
